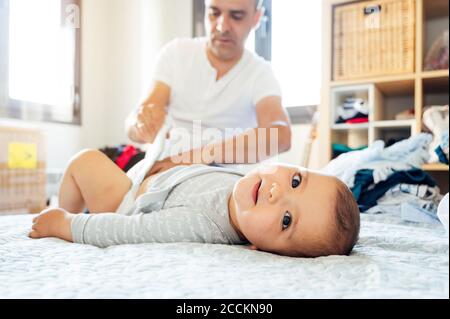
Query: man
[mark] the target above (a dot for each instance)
(216, 81)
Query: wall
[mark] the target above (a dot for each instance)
(120, 40)
(63, 141)
(137, 29)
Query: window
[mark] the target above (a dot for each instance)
(290, 37)
(296, 50)
(39, 55)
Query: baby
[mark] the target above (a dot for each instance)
(280, 209)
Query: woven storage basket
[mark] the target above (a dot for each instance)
(22, 170)
(374, 38)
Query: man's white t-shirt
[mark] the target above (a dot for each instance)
(196, 95)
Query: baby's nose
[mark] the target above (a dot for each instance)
(274, 193)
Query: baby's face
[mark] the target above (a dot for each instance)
(281, 208)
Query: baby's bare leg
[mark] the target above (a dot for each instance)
(94, 182)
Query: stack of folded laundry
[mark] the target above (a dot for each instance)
(442, 149)
(389, 180)
(436, 119)
(339, 149)
(353, 111)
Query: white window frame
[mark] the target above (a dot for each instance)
(29, 111)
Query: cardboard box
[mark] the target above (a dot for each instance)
(22, 170)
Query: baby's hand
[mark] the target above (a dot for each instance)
(52, 222)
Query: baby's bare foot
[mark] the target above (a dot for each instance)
(52, 222)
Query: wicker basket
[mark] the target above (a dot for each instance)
(374, 38)
(22, 181)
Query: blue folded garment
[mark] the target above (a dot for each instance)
(442, 149)
(367, 193)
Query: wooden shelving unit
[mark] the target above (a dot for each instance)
(439, 74)
(435, 167)
(401, 79)
(419, 88)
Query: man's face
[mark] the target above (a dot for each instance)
(228, 24)
(282, 208)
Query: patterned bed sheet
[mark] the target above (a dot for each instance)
(393, 259)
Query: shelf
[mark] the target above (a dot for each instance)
(394, 124)
(395, 84)
(378, 124)
(388, 95)
(343, 127)
(435, 167)
(406, 78)
(435, 74)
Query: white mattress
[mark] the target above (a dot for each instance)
(392, 260)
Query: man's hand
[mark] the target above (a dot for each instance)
(149, 120)
(143, 126)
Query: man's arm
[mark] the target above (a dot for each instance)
(273, 122)
(271, 114)
(143, 124)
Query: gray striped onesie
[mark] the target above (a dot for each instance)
(194, 210)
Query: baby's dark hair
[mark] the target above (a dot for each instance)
(344, 231)
(347, 221)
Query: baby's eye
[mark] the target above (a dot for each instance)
(287, 219)
(296, 181)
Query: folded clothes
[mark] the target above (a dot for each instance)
(125, 156)
(405, 155)
(424, 192)
(339, 149)
(442, 149)
(358, 104)
(367, 192)
(423, 196)
(358, 118)
(352, 109)
(436, 119)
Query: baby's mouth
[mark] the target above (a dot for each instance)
(255, 192)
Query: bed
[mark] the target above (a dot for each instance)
(393, 259)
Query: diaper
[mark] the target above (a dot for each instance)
(127, 206)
